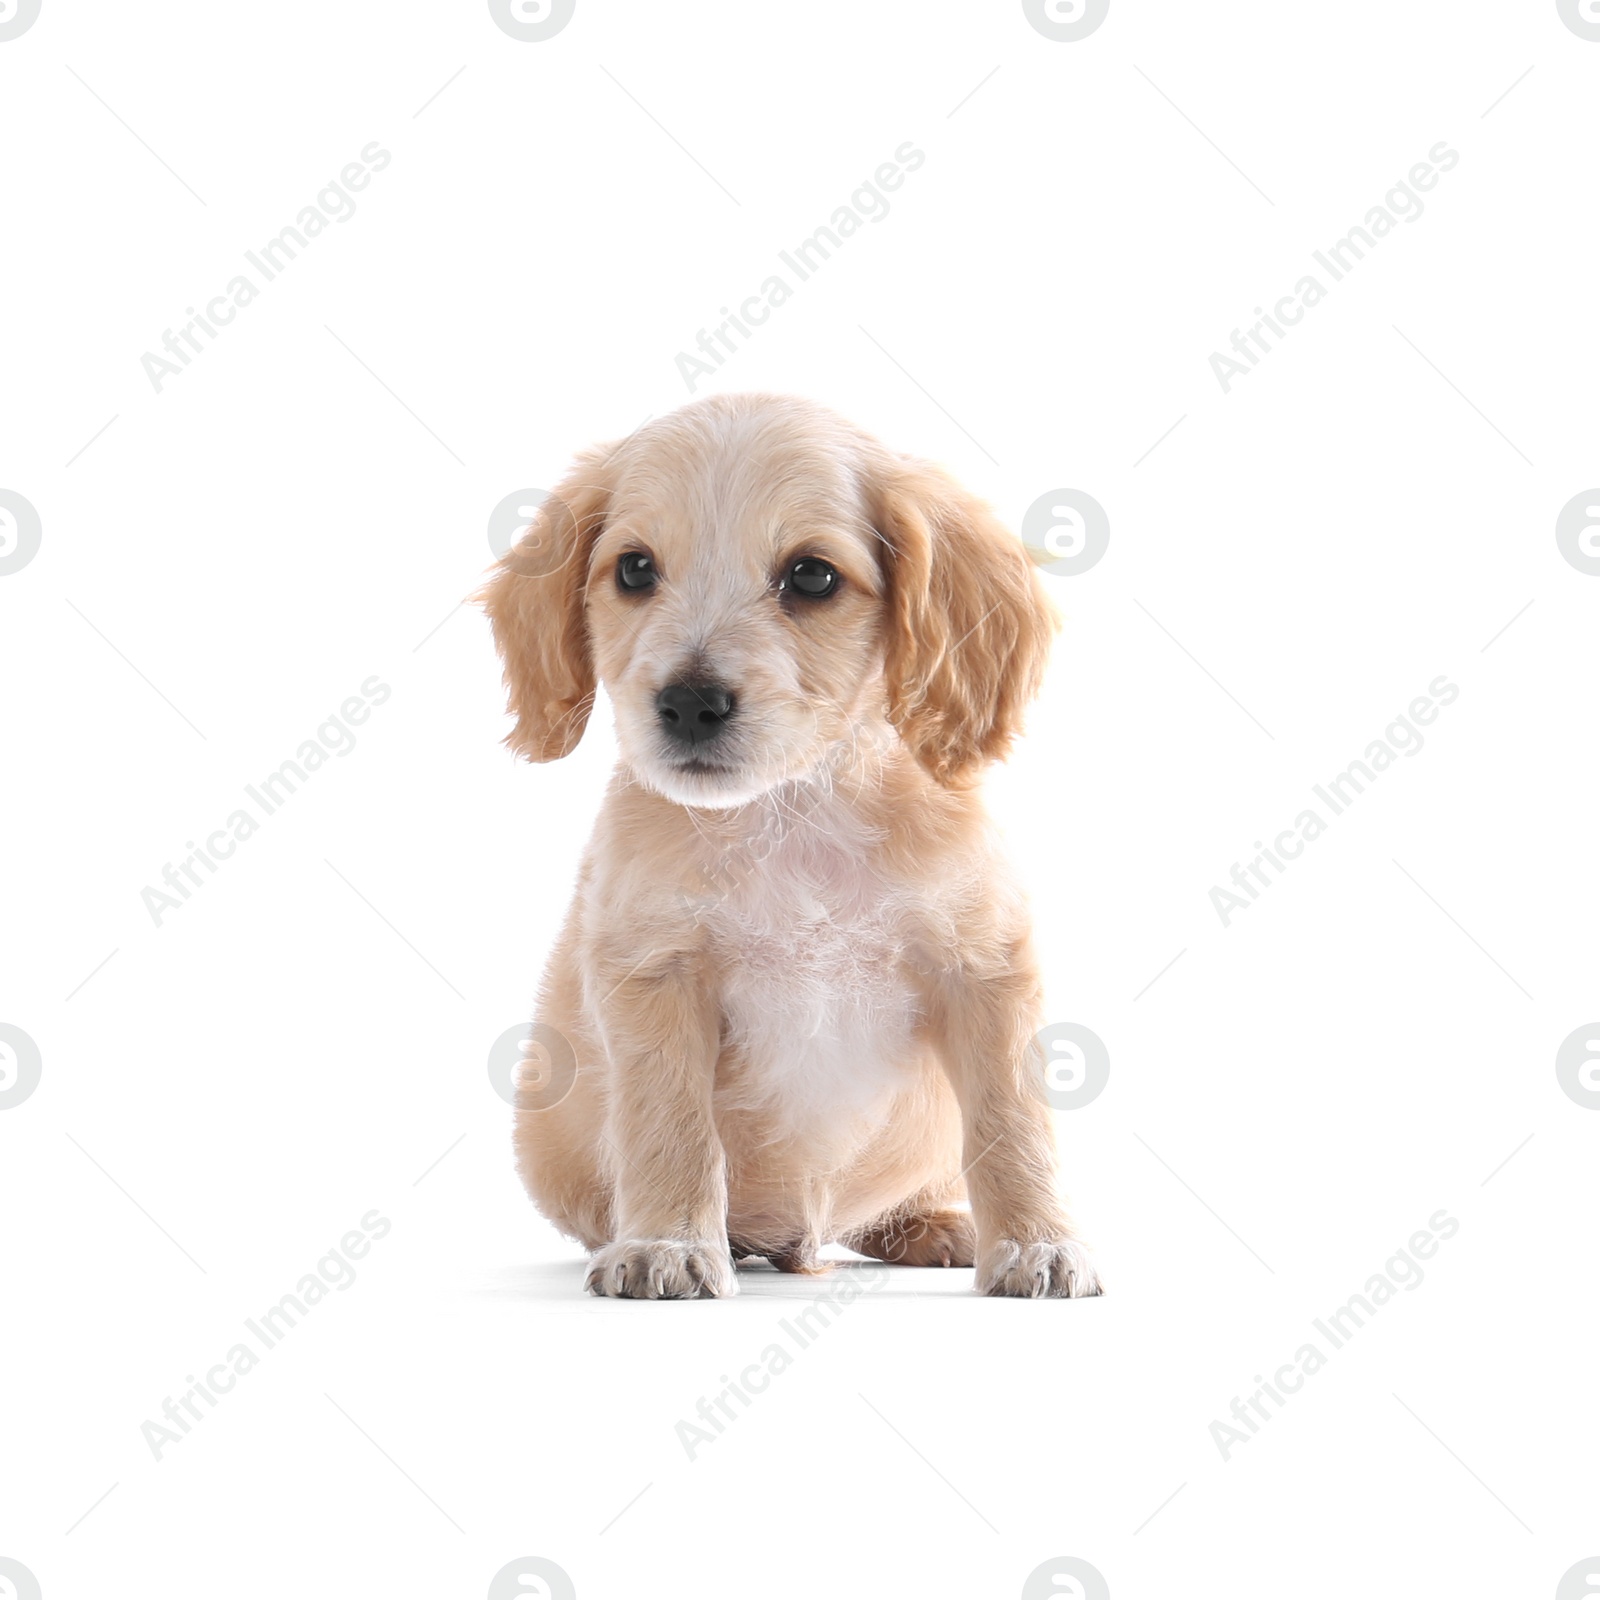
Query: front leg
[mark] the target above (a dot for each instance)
(984, 1025)
(659, 1141)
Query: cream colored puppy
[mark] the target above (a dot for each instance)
(795, 998)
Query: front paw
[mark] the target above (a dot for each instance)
(1050, 1267)
(662, 1269)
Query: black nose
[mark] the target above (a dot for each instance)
(693, 713)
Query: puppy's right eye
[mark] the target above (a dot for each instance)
(636, 571)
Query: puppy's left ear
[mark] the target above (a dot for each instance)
(968, 625)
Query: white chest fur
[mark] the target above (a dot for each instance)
(811, 936)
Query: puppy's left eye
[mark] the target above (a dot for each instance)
(812, 577)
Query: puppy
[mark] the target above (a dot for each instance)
(795, 998)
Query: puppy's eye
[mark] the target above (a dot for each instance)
(636, 571)
(812, 577)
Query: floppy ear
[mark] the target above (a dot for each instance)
(968, 626)
(535, 604)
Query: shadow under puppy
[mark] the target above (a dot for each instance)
(795, 998)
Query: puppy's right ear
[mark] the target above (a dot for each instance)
(535, 605)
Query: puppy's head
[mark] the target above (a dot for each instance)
(760, 587)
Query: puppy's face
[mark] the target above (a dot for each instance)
(760, 586)
(734, 604)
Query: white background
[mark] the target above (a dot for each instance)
(305, 1040)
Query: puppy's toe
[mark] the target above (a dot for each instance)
(662, 1269)
(1032, 1271)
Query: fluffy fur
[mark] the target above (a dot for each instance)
(799, 987)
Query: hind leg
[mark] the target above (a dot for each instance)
(928, 1230)
(920, 1239)
(562, 1173)
(560, 1109)
(791, 1231)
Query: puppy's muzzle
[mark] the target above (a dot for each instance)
(693, 713)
